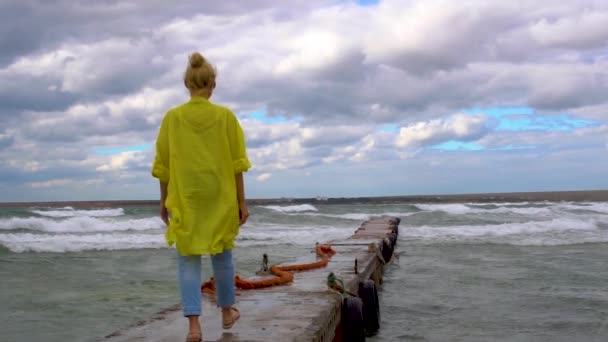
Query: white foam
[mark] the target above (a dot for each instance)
(598, 207)
(499, 204)
(453, 208)
(358, 216)
(294, 235)
(80, 224)
(291, 208)
(349, 216)
(521, 210)
(558, 231)
(559, 224)
(562, 239)
(70, 212)
(27, 242)
(463, 209)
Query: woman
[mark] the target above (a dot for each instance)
(200, 160)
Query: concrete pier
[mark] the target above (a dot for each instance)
(305, 310)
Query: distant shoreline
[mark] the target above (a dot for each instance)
(552, 196)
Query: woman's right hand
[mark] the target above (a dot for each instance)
(243, 212)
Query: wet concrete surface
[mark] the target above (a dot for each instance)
(305, 310)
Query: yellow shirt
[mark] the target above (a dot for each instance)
(199, 149)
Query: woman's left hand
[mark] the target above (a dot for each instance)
(164, 214)
(243, 213)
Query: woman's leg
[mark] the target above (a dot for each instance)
(223, 271)
(190, 288)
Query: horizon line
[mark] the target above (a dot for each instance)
(601, 194)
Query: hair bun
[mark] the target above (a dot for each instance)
(197, 60)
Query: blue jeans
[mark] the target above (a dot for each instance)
(190, 281)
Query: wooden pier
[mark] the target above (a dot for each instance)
(304, 310)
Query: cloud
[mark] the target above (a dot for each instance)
(5, 140)
(342, 87)
(264, 177)
(121, 161)
(457, 127)
(62, 182)
(426, 36)
(586, 30)
(64, 20)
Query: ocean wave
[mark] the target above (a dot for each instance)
(463, 209)
(503, 229)
(357, 216)
(558, 231)
(291, 208)
(520, 210)
(598, 207)
(250, 236)
(294, 235)
(82, 224)
(27, 242)
(503, 204)
(70, 212)
(453, 208)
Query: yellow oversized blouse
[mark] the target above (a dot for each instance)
(199, 149)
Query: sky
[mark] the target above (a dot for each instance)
(336, 98)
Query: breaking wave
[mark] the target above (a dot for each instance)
(291, 208)
(557, 231)
(515, 208)
(359, 216)
(293, 235)
(62, 243)
(79, 224)
(70, 212)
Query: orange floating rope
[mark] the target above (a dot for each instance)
(208, 286)
(282, 273)
(281, 277)
(324, 251)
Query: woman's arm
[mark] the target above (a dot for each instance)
(164, 213)
(240, 193)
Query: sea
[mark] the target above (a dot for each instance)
(468, 271)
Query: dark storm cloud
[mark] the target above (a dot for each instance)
(15, 176)
(6, 141)
(31, 26)
(20, 93)
(55, 127)
(586, 89)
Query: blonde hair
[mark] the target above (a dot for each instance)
(199, 74)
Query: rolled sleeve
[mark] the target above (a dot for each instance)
(160, 171)
(160, 167)
(241, 165)
(238, 150)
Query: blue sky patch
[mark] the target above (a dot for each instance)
(262, 115)
(454, 145)
(527, 119)
(367, 2)
(512, 148)
(391, 128)
(548, 123)
(498, 112)
(116, 150)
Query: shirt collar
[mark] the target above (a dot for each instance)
(198, 99)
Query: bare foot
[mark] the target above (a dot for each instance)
(230, 316)
(194, 336)
(194, 330)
